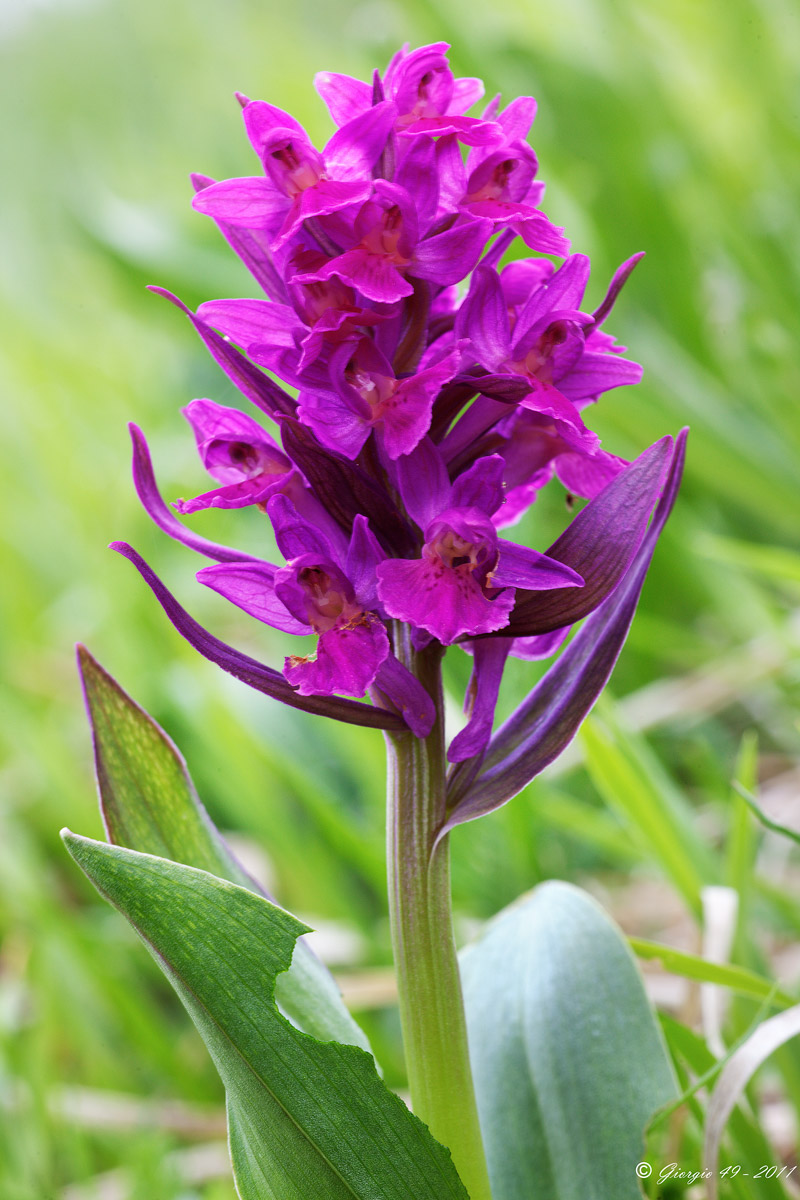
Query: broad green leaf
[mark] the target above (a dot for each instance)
(307, 1118)
(691, 966)
(149, 804)
(568, 1059)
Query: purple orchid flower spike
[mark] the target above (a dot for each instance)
(423, 394)
(425, 422)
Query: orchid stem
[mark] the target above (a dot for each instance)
(429, 986)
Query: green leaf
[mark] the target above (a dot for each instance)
(774, 562)
(766, 821)
(149, 804)
(690, 966)
(307, 1119)
(568, 1059)
(736, 1075)
(749, 1147)
(631, 783)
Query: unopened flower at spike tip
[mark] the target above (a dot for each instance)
(439, 391)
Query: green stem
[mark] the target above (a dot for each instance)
(431, 1005)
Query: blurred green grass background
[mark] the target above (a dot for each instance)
(671, 128)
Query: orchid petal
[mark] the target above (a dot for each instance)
(447, 257)
(334, 423)
(373, 275)
(418, 174)
(406, 415)
(345, 97)
(251, 200)
(293, 533)
(483, 318)
(596, 373)
(250, 322)
(237, 495)
(586, 476)
(484, 688)
(405, 691)
(563, 290)
(262, 119)
(443, 600)
(517, 117)
(347, 660)
(363, 555)
(355, 148)
(423, 483)
(466, 92)
(481, 486)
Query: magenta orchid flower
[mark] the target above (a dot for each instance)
(299, 182)
(387, 249)
(367, 395)
(464, 582)
(429, 99)
(240, 455)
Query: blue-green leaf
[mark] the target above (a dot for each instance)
(568, 1059)
(149, 803)
(307, 1119)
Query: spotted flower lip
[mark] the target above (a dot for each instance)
(464, 582)
(423, 394)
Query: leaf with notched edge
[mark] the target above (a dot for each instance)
(307, 1118)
